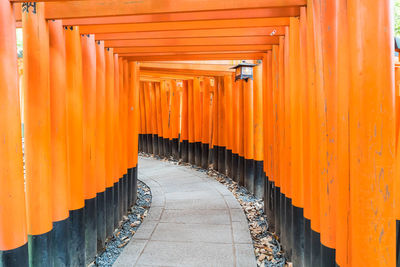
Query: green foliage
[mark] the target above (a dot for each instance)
(397, 18)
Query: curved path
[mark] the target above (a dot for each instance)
(193, 221)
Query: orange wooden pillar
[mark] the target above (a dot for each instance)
(214, 124)
(343, 86)
(148, 115)
(241, 148)
(134, 119)
(372, 128)
(175, 110)
(123, 110)
(159, 118)
(191, 134)
(89, 144)
(13, 233)
(258, 128)
(143, 117)
(228, 82)
(221, 144)
(164, 117)
(248, 136)
(153, 108)
(296, 241)
(197, 89)
(205, 129)
(235, 130)
(58, 123)
(184, 145)
(117, 175)
(100, 145)
(37, 133)
(109, 147)
(275, 93)
(75, 145)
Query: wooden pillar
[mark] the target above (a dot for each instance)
(37, 133)
(165, 116)
(117, 175)
(58, 123)
(159, 118)
(235, 130)
(75, 145)
(175, 111)
(13, 232)
(205, 134)
(248, 136)
(191, 156)
(123, 109)
(100, 145)
(241, 147)
(259, 182)
(135, 109)
(214, 124)
(221, 126)
(372, 128)
(228, 123)
(197, 119)
(185, 123)
(153, 108)
(89, 144)
(109, 147)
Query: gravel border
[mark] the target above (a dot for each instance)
(128, 227)
(267, 249)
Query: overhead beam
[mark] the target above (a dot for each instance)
(164, 72)
(96, 8)
(188, 16)
(246, 40)
(200, 48)
(228, 32)
(185, 25)
(185, 66)
(183, 57)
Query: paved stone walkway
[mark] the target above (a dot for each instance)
(193, 221)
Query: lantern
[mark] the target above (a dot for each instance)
(244, 71)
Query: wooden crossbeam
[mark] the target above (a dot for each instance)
(185, 25)
(166, 72)
(247, 40)
(228, 32)
(185, 66)
(100, 8)
(200, 48)
(211, 56)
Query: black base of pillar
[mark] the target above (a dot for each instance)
(235, 165)
(150, 143)
(214, 157)
(288, 228)
(205, 150)
(145, 147)
(125, 196)
(109, 211)
(259, 180)
(191, 156)
(328, 256)
(315, 248)
(307, 242)
(134, 184)
(101, 221)
(116, 205)
(241, 171)
(175, 148)
(185, 150)
(249, 174)
(59, 243)
(397, 243)
(129, 185)
(15, 257)
(140, 142)
(221, 159)
(277, 209)
(298, 236)
(161, 146)
(156, 150)
(197, 153)
(282, 218)
(90, 211)
(76, 240)
(228, 163)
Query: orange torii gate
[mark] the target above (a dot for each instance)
(314, 133)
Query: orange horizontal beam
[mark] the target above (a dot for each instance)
(165, 72)
(166, 76)
(187, 66)
(188, 16)
(181, 57)
(246, 40)
(97, 8)
(200, 48)
(185, 25)
(228, 32)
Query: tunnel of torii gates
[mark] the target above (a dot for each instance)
(314, 133)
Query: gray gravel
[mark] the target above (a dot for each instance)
(127, 229)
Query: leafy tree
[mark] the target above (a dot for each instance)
(397, 18)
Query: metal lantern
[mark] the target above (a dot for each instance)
(244, 71)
